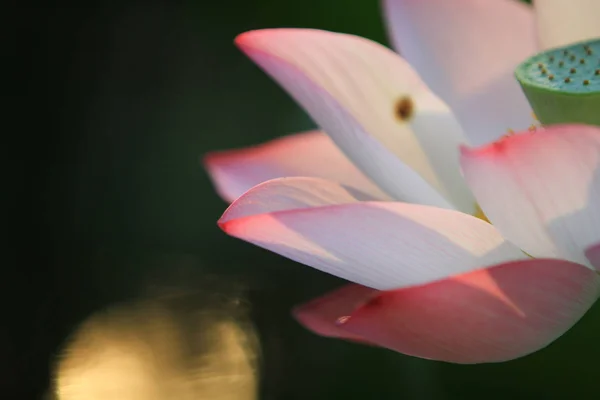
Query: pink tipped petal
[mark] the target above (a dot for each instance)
(382, 245)
(562, 22)
(374, 107)
(593, 255)
(466, 51)
(310, 154)
(492, 315)
(284, 194)
(541, 189)
(322, 314)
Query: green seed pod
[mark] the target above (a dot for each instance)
(563, 84)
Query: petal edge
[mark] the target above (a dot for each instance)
(492, 315)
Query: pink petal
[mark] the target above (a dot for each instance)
(541, 189)
(311, 154)
(466, 51)
(493, 315)
(322, 314)
(382, 245)
(562, 22)
(284, 194)
(593, 255)
(357, 91)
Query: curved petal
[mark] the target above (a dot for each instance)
(491, 315)
(382, 245)
(593, 255)
(321, 314)
(284, 194)
(310, 154)
(541, 189)
(563, 22)
(374, 107)
(466, 51)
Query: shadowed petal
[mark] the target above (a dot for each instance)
(593, 255)
(374, 107)
(541, 189)
(321, 314)
(466, 51)
(310, 154)
(497, 314)
(382, 245)
(562, 22)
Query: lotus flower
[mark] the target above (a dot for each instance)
(385, 198)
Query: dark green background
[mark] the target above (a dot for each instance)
(106, 197)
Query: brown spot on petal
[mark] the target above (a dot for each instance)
(404, 109)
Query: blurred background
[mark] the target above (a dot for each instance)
(118, 283)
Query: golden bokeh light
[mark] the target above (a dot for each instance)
(147, 351)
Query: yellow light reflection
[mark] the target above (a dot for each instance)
(148, 351)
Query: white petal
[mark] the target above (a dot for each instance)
(283, 194)
(382, 245)
(310, 154)
(352, 88)
(466, 51)
(542, 189)
(562, 22)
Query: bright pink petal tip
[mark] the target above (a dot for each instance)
(322, 314)
(512, 142)
(243, 38)
(496, 147)
(493, 315)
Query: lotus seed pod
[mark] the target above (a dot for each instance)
(563, 84)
